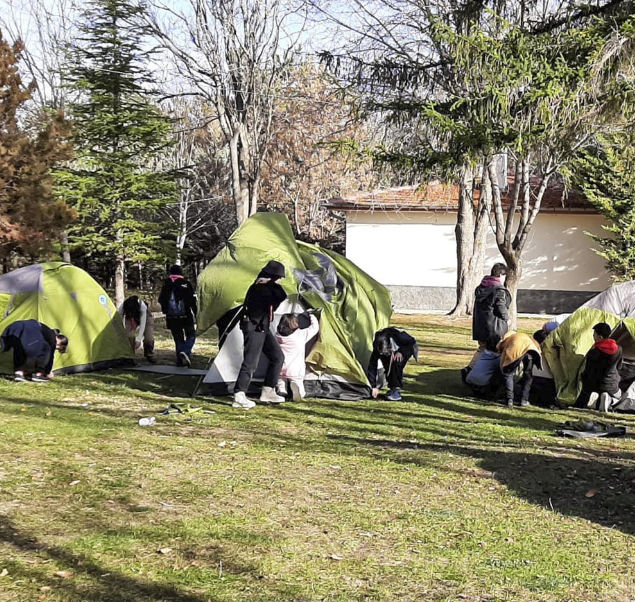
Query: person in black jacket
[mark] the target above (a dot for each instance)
(178, 303)
(393, 348)
(262, 299)
(490, 316)
(600, 376)
(34, 345)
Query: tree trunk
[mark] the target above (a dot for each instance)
(120, 288)
(470, 232)
(66, 254)
(514, 273)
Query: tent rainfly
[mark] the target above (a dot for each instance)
(354, 307)
(63, 296)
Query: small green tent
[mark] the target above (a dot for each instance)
(354, 306)
(63, 296)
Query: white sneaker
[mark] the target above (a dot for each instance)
(269, 395)
(295, 392)
(242, 401)
(604, 405)
(593, 400)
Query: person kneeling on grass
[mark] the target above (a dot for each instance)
(519, 352)
(34, 345)
(600, 376)
(393, 348)
(294, 332)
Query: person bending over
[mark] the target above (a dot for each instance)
(294, 332)
(392, 347)
(518, 351)
(600, 376)
(34, 345)
(139, 325)
(262, 299)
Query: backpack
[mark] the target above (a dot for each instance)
(176, 307)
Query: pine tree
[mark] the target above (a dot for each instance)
(606, 175)
(119, 136)
(30, 214)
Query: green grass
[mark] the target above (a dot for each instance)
(439, 497)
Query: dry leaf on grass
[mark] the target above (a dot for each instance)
(4, 573)
(591, 492)
(164, 550)
(45, 589)
(73, 483)
(335, 557)
(64, 574)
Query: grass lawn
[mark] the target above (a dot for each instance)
(438, 497)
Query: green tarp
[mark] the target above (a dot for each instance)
(64, 296)
(354, 305)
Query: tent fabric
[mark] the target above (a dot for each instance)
(565, 348)
(619, 300)
(354, 306)
(64, 296)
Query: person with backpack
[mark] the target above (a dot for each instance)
(139, 325)
(393, 348)
(178, 303)
(34, 345)
(490, 316)
(263, 297)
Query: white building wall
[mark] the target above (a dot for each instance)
(419, 249)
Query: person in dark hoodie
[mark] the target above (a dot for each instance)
(178, 302)
(393, 348)
(262, 299)
(600, 376)
(490, 315)
(34, 345)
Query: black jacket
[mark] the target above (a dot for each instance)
(406, 345)
(600, 374)
(489, 321)
(261, 300)
(184, 291)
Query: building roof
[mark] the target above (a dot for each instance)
(439, 196)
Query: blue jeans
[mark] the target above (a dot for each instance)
(184, 336)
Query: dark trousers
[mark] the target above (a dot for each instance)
(394, 370)
(527, 362)
(255, 344)
(184, 335)
(20, 358)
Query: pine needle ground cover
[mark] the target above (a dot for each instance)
(438, 497)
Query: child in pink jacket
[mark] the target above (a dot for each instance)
(294, 332)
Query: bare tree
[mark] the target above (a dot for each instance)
(235, 54)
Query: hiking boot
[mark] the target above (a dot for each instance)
(39, 378)
(524, 403)
(604, 405)
(185, 360)
(242, 401)
(19, 377)
(151, 359)
(295, 392)
(393, 395)
(510, 403)
(269, 395)
(464, 372)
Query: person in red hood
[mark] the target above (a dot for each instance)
(600, 376)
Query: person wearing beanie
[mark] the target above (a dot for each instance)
(262, 299)
(490, 315)
(178, 302)
(34, 345)
(600, 376)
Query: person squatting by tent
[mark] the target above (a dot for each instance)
(34, 345)
(294, 332)
(600, 377)
(518, 352)
(262, 299)
(139, 325)
(178, 303)
(393, 347)
(490, 314)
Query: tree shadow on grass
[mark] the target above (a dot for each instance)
(104, 584)
(596, 488)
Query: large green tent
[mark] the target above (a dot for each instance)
(354, 306)
(64, 296)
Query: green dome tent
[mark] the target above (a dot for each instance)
(354, 306)
(64, 296)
